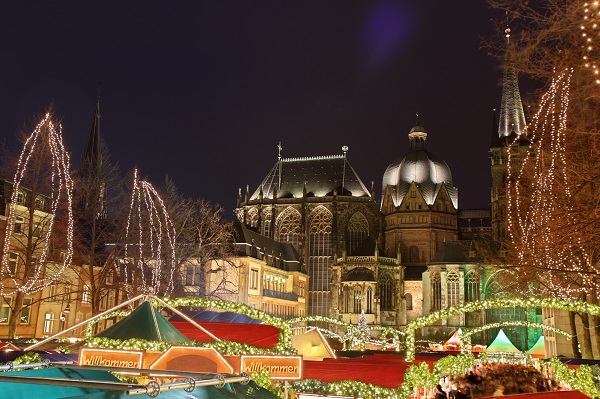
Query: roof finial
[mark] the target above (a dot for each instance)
(417, 113)
(279, 148)
(345, 150)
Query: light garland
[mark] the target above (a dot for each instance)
(148, 227)
(89, 331)
(284, 346)
(466, 307)
(45, 134)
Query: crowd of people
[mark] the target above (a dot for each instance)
(490, 379)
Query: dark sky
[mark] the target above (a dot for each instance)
(204, 90)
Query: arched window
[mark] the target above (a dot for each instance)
(346, 299)
(369, 300)
(413, 255)
(252, 217)
(409, 302)
(386, 292)
(320, 258)
(289, 227)
(356, 232)
(357, 300)
(453, 286)
(471, 286)
(436, 291)
(267, 215)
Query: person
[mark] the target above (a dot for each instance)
(439, 393)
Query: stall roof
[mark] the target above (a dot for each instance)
(147, 323)
(15, 390)
(219, 317)
(502, 344)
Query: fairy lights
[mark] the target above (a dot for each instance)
(540, 214)
(45, 137)
(148, 229)
(589, 30)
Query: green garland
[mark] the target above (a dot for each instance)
(466, 307)
(117, 313)
(581, 379)
(284, 346)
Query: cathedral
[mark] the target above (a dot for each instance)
(404, 255)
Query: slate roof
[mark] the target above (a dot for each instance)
(322, 175)
(414, 273)
(250, 243)
(455, 252)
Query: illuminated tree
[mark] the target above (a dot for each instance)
(553, 199)
(38, 235)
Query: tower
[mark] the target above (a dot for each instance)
(419, 204)
(508, 134)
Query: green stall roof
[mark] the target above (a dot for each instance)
(147, 323)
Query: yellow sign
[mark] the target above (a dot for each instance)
(110, 358)
(280, 368)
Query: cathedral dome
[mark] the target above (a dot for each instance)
(423, 168)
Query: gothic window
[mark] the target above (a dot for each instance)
(369, 300)
(252, 217)
(453, 286)
(409, 301)
(319, 258)
(357, 300)
(356, 232)
(413, 254)
(471, 286)
(436, 291)
(266, 221)
(386, 292)
(346, 299)
(289, 227)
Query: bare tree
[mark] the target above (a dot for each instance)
(553, 205)
(37, 239)
(205, 247)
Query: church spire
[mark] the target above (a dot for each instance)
(512, 117)
(91, 154)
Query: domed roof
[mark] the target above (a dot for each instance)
(423, 168)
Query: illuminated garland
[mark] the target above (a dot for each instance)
(466, 307)
(581, 379)
(284, 346)
(90, 327)
(45, 134)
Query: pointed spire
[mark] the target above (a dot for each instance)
(512, 117)
(92, 148)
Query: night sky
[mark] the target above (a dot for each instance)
(204, 90)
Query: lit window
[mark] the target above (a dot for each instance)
(19, 225)
(5, 310)
(253, 279)
(26, 311)
(48, 323)
(12, 263)
(85, 296)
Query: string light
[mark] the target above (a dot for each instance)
(590, 16)
(148, 227)
(45, 134)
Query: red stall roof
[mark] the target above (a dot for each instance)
(259, 335)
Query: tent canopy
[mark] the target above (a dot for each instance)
(502, 344)
(453, 340)
(539, 349)
(144, 323)
(312, 345)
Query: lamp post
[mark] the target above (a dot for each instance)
(63, 316)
